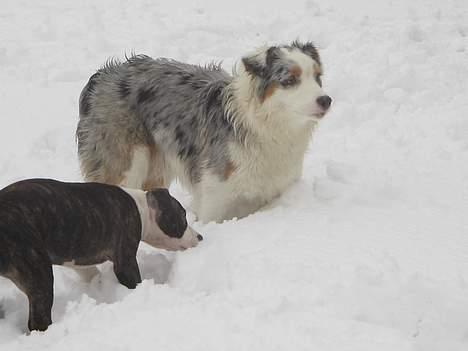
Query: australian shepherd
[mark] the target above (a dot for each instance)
(234, 142)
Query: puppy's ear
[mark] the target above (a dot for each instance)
(257, 64)
(155, 197)
(167, 212)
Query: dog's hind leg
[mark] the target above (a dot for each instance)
(113, 148)
(41, 298)
(159, 174)
(137, 173)
(33, 275)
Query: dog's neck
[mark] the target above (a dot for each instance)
(139, 196)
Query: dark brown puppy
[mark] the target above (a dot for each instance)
(45, 222)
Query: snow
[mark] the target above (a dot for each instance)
(369, 251)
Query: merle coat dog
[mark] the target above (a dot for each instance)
(45, 222)
(235, 142)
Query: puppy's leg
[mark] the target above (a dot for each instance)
(33, 275)
(86, 273)
(40, 303)
(127, 272)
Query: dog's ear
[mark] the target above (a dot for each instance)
(167, 212)
(157, 197)
(164, 203)
(258, 63)
(254, 65)
(307, 48)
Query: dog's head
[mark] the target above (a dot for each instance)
(167, 227)
(287, 79)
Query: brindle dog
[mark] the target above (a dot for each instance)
(45, 222)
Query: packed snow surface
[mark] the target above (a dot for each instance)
(368, 251)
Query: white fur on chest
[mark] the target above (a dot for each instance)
(267, 167)
(263, 170)
(266, 176)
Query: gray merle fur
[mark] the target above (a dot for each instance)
(180, 108)
(163, 95)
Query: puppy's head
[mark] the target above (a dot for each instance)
(168, 228)
(287, 80)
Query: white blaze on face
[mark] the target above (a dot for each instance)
(152, 234)
(162, 241)
(299, 100)
(156, 237)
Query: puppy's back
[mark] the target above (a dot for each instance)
(70, 220)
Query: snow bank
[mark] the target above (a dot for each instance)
(369, 251)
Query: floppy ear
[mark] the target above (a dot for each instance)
(154, 197)
(307, 48)
(258, 63)
(255, 64)
(167, 212)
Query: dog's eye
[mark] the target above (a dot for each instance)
(288, 82)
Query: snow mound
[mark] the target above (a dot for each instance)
(369, 251)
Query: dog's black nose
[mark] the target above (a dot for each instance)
(324, 101)
(199, 237)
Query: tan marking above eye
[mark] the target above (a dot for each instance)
(295, 71)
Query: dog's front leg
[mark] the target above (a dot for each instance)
(212, 203)
(222, 204)
(127, 272)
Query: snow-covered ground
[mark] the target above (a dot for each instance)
(369, 251)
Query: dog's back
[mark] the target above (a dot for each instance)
(45, 222)
(152, 107)
(66, 219)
